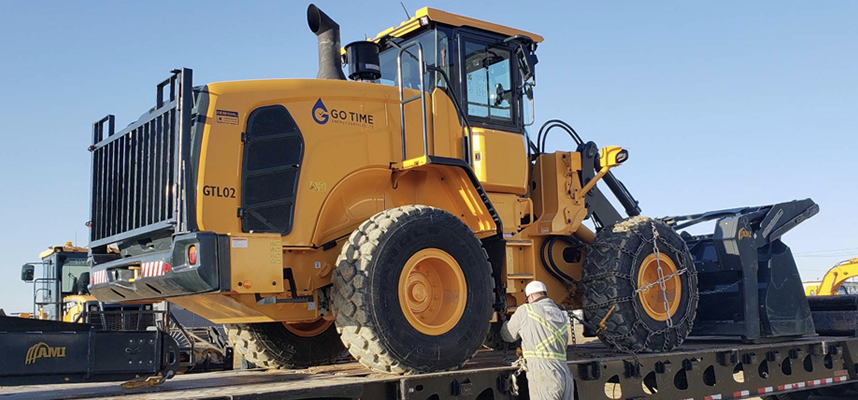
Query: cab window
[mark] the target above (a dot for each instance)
(71, 270)
(435, 53)
(488, 82)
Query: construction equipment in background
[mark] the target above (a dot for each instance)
(833, 282)
(835, 310)
(399, 215)
(61, 293)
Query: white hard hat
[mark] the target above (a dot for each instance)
(534, 287)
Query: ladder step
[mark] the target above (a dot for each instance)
(411, 163)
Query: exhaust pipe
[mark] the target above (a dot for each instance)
(328, 34)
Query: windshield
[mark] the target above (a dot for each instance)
(435, 53)
(72, 267)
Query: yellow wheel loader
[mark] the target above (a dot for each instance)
(397, 215)
(60, 291)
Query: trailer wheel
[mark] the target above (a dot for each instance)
(279, 345)
(622, 280)
(413, 291)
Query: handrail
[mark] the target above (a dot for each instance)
(422, 96)
(466, 126)
(46, 287)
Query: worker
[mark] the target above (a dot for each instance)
(544, 332)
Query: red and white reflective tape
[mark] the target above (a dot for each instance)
(840, 376)
(791, 386)
(154, 268)
(817, 382)
(713, 397)
(99, 277)
(764, 390)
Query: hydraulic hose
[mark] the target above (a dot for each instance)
(550, 266)
(542, 136)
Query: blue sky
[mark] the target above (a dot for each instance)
(720, 103)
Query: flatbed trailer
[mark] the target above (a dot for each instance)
(703, 369)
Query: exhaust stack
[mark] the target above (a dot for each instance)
(328, 34)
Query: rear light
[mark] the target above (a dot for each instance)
(192, 254)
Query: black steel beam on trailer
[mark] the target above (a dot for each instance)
(44, 352)
(701, 370)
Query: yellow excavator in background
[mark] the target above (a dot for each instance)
(832, 282)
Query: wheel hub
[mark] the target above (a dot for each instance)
(432, 291)
(659, 292)
(309, 329)
(418, 291)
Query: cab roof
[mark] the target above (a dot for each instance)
(68, 248)
(425, 14)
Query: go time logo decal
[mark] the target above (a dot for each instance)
(320, 113)
(343, 117)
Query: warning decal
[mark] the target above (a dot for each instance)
(227, 117)
(318, 186)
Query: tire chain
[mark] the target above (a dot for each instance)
(615, 340)
(721, 290)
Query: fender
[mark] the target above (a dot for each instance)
(363, 193)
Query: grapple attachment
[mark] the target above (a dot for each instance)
(749, 284)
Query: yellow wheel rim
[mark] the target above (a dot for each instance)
(653, 298)
(432, 292)
(309, 329)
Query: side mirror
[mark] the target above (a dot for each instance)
(528, 93)
(526, 62)
(28, 272)
(525, 53)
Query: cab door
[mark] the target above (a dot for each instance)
(488, 75)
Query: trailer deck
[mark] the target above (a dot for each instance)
(703, 369)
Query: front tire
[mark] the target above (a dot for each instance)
(413, 291)
(622, 278)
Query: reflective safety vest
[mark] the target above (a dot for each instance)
(543, 329)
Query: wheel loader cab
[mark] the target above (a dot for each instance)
(480, 70)
(60, 289)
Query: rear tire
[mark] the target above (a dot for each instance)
(273, 345)
(621, 260)
(413, 291)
